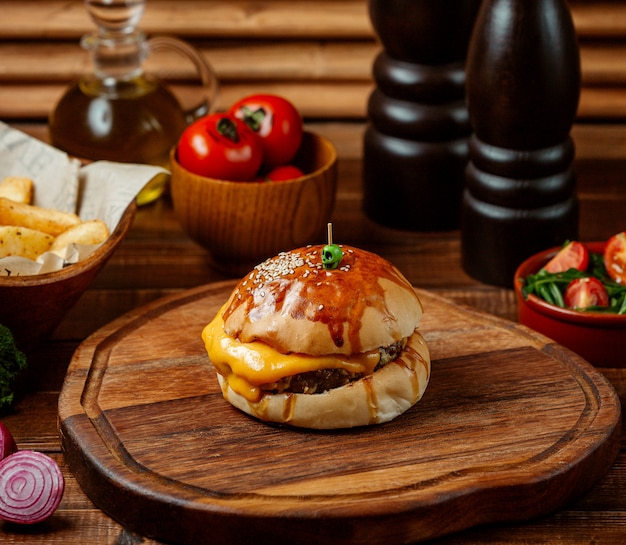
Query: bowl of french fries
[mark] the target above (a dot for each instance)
(32, 305)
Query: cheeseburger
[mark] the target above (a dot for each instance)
(321, 337)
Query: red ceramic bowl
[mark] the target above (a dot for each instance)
(599, 338)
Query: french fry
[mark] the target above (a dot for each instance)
(24, 242)
(53, 222)
(17, 189)
(87, 232)
(29, 231)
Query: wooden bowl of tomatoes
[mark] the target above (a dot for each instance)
(576, 295)
(264, 203)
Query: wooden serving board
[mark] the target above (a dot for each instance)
(511, 426)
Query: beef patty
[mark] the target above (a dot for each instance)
(317, 382)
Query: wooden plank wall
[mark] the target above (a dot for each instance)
(316, 52)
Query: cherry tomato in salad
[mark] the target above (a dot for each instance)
(615, 257)
(574, 255)
(282, 173)
(586, 292)
(220, 146)
(276, 121)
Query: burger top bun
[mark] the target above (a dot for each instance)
(292, 303)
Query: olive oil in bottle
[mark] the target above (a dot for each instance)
(134, 122)
(117, 112)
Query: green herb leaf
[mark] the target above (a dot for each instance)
(12, 363)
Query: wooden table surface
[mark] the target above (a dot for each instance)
(157, 259)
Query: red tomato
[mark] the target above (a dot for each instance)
(615, 257)
(282, 173)
(586, 292)
(276, 121)
(574, 255)
(220, 146)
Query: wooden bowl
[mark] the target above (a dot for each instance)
(38, 303)
(244, 223)
(598, 337)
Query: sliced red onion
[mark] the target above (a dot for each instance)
(31, 487)
(7, 443)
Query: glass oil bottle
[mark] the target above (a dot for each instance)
(118, 112)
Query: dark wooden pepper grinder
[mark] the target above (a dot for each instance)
(415, 148)
(523, 86)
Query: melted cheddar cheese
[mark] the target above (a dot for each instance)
(247, 366)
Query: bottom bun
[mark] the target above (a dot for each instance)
(373, 399)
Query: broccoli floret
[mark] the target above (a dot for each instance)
(12, 362)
